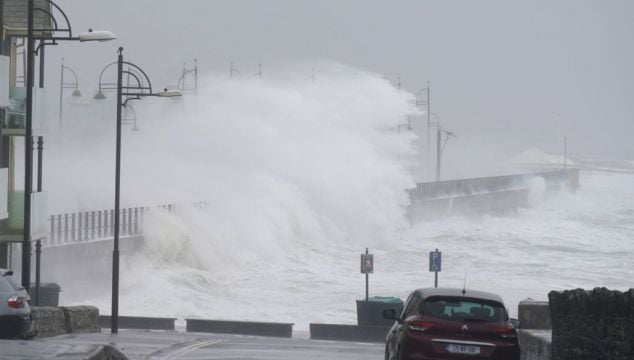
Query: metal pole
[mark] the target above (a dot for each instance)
(438, 152)
(115, 253)
(28, 153)
(61, 94)
(436, 279)
(428, 123)
(40, 162)
(196, 76)
(367, 281)
(565, 152)
(38, 253)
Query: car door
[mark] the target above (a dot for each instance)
(409, 309)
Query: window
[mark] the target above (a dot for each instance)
(13, 283)
(5, 286)
(464, 309)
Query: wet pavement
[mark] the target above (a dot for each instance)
(178, 345)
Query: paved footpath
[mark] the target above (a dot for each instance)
(178, 345)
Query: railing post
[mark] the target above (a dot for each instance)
(79, 224)
(99, 223)
(86, 226)
(130, 221)
(136, 221)
(52, 229)
(72, 225)
(111, 222)
(92, 228)
(123, 218)
(65, 228)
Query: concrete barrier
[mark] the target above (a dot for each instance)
(48, 321)
(337, 332)
(534, 314)
(139, 323)
(81, 319)
(240, 327)
(53, 321)
(535, 344)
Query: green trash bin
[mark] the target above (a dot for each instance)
(370, 312)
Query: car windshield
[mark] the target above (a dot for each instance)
(14, 283)
(463, 309)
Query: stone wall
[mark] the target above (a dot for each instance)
(53, 321)
(592, 325)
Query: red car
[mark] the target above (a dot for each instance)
(443, 323)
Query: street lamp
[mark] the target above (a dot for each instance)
(63, 85)
(424, 101)
(142, 88)
(130, 120)
(45, 37)
(233, 70)
(193, 72)
(440, 144)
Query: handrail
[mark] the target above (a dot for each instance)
(447, 188)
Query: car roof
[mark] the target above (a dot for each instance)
(468, 293)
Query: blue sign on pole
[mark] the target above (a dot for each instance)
(435, 261)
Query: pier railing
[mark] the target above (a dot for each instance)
(448, 188)
(93, 225)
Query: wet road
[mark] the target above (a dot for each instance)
(177, 345)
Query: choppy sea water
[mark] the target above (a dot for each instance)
(564, 240)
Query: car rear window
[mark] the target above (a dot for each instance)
(5, 286)
(463, 309)
(15, 284)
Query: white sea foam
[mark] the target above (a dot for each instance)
(299, 178)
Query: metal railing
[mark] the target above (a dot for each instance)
(94, 225)
(448, 188)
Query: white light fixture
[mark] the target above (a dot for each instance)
(169, 93)
(98, 35)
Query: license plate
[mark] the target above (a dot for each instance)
(462, 349)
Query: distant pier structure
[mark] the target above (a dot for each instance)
(485, 194)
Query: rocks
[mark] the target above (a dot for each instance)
(596, 324)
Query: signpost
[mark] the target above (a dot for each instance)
(367, 267)
(435, 261)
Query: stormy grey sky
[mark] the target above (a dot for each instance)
(504, 74)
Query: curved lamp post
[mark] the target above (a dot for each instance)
(440, 143)
(63, 85)
(46, 36)
(423, 101)
(233, 70)
(192, 72)
(141, 87)
(130, 120)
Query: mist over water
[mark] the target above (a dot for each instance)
(299, 177)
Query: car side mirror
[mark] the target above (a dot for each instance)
(390, 314)
(515, 323)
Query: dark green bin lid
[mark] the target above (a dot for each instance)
(385, 299)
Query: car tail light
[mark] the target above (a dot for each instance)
(15, 302)
(506, 331)
(420, 325)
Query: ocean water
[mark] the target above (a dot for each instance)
(563, 241)
(299, 178)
